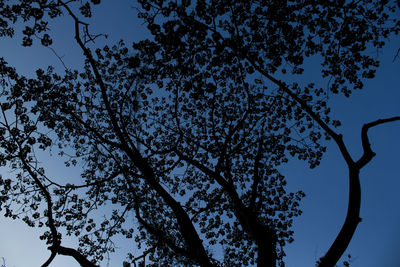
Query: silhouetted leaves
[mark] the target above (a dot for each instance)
(183, 131)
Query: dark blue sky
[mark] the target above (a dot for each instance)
(376, 241)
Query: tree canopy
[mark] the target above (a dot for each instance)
(185, 131)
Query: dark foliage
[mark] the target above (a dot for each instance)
(185, 131)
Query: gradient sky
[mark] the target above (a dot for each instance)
(376, 241)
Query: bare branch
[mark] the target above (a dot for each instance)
(368, 153)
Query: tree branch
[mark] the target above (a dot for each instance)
(203, 168)
(188, 231)
(368, 153)
(51, 258)
(338, 138)
(81, 259)
(159, 234)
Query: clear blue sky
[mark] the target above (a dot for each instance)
(376, 241)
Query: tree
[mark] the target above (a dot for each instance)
(187, 129)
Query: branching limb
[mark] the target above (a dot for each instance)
(81, 259)
(338, 138)
(159, 234)
(149, 228)
(143, 256)
(368, 153)
(51, 258)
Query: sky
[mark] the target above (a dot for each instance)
(376, 240)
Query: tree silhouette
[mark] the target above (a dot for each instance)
(186, 130)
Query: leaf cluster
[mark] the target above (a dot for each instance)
(180, 139)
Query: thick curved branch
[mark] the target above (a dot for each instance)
(346, 233)
(368, 153)
(43, 189)
(56, 248)
(99, 79)
(46, 194)
(188, 230)
(81, 259)
(248, 219)
(51, 258)
(352, 220)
